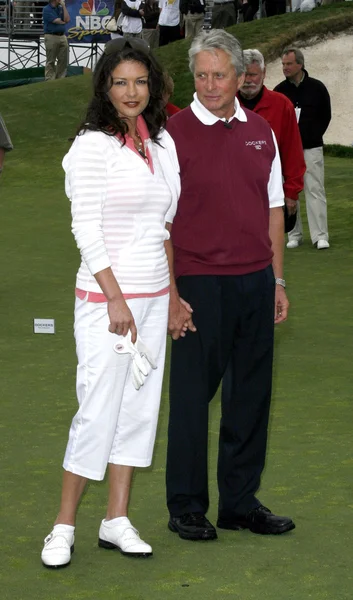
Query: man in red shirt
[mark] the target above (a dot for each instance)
(280, 114)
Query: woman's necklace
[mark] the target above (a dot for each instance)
(139, 145)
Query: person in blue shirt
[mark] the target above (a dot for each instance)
(55, 17)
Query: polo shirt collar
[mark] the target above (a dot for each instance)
(208, 118)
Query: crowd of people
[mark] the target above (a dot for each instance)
(159, 22)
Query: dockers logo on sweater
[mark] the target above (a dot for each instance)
(258, 144)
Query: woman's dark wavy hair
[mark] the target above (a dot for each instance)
(101, 114)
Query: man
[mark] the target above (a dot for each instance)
(194, 13)
(228, 245)
(224, 14)
(279, 112)
(169, 22)
(132, 22)
(313, 108)
(55, 17)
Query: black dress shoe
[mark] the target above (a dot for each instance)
(258, 520)
(192, 526)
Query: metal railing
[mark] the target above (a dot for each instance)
(22, 37)
(21, 17)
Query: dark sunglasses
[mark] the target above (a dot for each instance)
(119, 44)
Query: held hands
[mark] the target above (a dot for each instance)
(180, 317)
(121, 319)
(281, 305)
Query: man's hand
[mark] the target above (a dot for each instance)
(291, 206)
(281, 304)
(180, 317)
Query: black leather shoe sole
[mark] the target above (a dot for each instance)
(192, 535)
(261, 528)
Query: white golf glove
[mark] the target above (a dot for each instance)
(142, 359)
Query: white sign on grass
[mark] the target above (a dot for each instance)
(44, 325)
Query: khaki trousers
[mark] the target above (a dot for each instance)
(132, 35)
(151, 36)
(57, 51)
(193, 24)
(315, 198)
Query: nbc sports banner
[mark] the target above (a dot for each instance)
(88, 19)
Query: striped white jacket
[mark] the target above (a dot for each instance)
(119, 210)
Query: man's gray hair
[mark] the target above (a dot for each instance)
(254, 56)
(217, 39)
(299, 56)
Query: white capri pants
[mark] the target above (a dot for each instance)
(115, 423)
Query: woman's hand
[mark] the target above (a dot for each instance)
(120, 316)
(121, 319)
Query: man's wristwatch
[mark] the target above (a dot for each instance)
(281, 282)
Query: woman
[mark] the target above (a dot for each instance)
(123, 182)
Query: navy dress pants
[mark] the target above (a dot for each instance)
(234, 316)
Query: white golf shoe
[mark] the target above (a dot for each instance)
(119, 533)
(322, 245)
(58, 547)
(294, 243)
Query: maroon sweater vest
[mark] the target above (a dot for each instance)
(222, 223)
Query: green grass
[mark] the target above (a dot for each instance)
(309, 467)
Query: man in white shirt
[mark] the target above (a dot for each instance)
(169, 21)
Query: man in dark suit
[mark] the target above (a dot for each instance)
(312, 105)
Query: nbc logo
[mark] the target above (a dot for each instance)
(91, 20)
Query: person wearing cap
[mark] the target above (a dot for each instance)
(55, 18)
(122, 178)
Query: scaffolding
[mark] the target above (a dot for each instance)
(22, 38)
